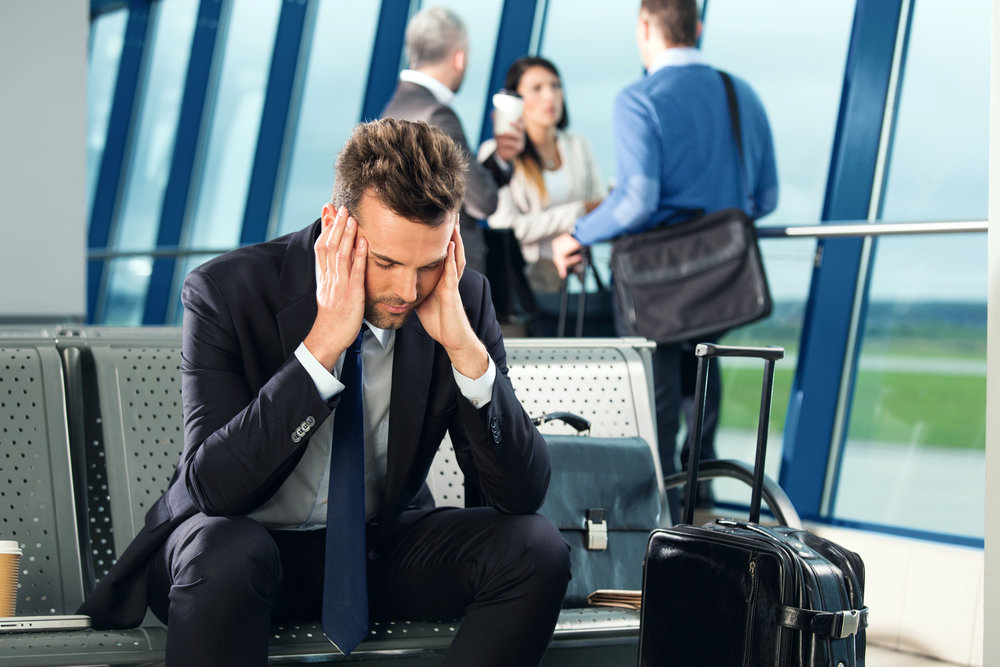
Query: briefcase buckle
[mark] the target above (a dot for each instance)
(850, 622)
(597, 530)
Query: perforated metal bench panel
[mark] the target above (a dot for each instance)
(298, 643)
(607, 381)
(140, 394)
(302, 643)
(138, 381)
(604, 380)
(142, 646)
(36, 489)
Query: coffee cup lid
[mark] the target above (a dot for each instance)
(7, 546)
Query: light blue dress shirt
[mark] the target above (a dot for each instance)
(675, 151)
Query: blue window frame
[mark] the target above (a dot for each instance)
(247, 153)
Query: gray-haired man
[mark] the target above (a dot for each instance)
(437, 46)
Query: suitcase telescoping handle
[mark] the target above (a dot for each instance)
(704, 351)
(585, 266)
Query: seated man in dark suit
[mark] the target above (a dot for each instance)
(301, 490)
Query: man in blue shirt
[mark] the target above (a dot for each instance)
(676, 153)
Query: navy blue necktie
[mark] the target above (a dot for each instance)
(345, 580)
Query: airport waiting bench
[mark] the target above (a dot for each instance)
(91, 431)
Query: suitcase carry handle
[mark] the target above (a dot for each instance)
(581, 298)
(775, 497)
(772, 352)
(704, 351)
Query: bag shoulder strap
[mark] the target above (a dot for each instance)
(734, 118)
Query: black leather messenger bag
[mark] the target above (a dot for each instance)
(694, 279)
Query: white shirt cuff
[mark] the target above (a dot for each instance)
(326, 384)
(478, 391)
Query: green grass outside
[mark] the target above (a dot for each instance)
(925, 408)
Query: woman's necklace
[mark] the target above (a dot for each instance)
(550, 162)
(549, 157)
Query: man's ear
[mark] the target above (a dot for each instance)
(643, 27)
(329, 214)
(459, 59)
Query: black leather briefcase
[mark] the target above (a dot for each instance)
(739, 593)
(605, 499)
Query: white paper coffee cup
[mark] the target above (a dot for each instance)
(507, 108)
(10, 566)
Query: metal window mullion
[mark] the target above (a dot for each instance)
(848, 229)
(387, 56)
(825, 342)
(513, 41)
(538, 29)
(283, 81)
(117, 145)
(859, 312)
(187, 142)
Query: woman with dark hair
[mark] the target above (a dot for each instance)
(555, 179)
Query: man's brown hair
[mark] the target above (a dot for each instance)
(676, 19)
(413, 169)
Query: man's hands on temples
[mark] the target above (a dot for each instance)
(443, 315)
(342, 265)
(341, 259)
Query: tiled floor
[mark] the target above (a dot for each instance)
(877, 656)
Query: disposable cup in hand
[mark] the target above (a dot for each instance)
(10, 565)
(507, 109)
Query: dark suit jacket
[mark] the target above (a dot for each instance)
(245, 395)
(412, 101)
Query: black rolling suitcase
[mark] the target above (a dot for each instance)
(738, 593)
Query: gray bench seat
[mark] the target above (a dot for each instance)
(109, 400)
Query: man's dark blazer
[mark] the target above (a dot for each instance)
(411, 101)
(247, 400)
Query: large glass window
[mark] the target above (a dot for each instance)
(593, 76)
(107, 37)
(741, 378)
(793, 55)
(481, 21)
(331, 105)
(149, 165)
(915, 450)
(235, 124)
(796, 66)
(919, 405)
(940, 156)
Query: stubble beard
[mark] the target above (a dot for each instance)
(384, 320)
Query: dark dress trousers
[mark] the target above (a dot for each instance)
(247, 401)
(411, 101)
